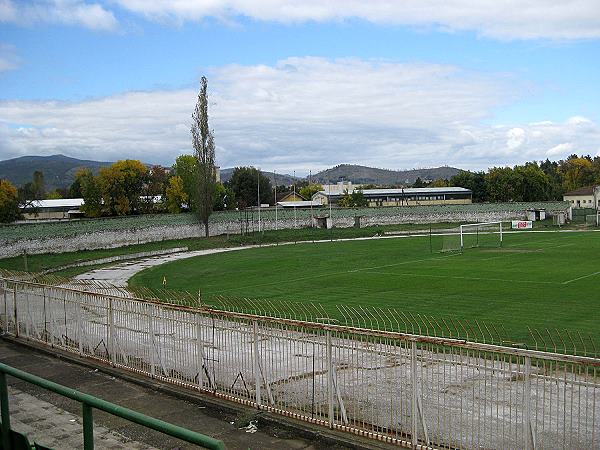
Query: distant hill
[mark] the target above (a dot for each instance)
(370, 175)
(281, 179)
(59, 170)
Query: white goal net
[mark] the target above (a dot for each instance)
(488, 234)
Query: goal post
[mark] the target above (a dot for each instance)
(484, 234)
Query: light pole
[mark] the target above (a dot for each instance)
(258, 190)
(330, 216)
(312, 219)
(275, 196)
(295, 224)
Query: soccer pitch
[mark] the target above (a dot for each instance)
(539, 280)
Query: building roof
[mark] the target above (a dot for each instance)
(57, 203)
(408, 191)
(587, 190)
(290, 195)
(300, 204)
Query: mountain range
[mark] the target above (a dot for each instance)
(59, 172)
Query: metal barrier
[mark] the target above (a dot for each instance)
(409, 389)
(88, 402)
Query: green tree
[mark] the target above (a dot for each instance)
(244, 183)
(122, 185)
(309, 190)
(439, 183)
(475, 181)
(354, 200)
(224, 198)
(38, 185)
(502, 185)
(9, 202)
(186, 168)
(175, 195)
(75, 188)
(576, 172)
(345, 200)
(154, 186)
(418, 183)
(54, 195)
(204, 151)
(532, 183)
(157, 180)
(90, 192)
(33, 190)
(550, 168)
(358, 199)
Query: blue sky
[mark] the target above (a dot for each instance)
(303, 86)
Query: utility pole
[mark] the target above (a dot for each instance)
(275, 195)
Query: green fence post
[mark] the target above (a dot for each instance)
(88, 427)
(5, 415)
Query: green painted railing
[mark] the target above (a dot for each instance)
(90, 402)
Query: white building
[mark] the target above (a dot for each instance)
(404, 197)
(585, 197)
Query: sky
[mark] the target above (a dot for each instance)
(303, 85)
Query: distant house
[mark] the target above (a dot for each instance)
(585, 197)
(63, 208)
(295, 200)
(404, 197)
(291, 197)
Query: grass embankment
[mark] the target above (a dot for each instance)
(538, 280)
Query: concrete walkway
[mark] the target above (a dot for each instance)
(42, 422)
(55, 421)
(120, 273)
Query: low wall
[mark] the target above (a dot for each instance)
(113, 239)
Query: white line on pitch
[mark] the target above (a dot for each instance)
(329, 274)
(580, 278)
(402, 263)
(467, 278)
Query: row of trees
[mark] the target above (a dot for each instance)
(532, 181)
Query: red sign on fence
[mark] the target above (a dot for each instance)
(522, 224)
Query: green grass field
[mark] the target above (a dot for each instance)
(541, 280)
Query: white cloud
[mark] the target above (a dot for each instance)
(504, 19)
(563, 149)
(515, 138)
(68, 12)
(302, 113)
(8, 58)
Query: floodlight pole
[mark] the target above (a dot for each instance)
(275, 195)
(330, 216)
(295, 222)
(258, 189)
(312, 219)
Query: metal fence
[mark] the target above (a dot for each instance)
(409, 389)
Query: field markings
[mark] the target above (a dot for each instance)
(403, 263)
(466, 278)
(581, 278)
(329, 274)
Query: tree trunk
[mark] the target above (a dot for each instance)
(206, 228)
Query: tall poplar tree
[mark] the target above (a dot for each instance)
(204, 151)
